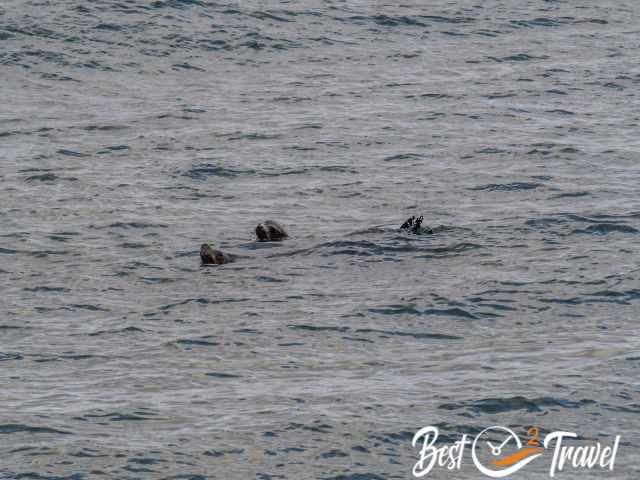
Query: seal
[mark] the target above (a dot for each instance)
(210, 256)
(414, 225)
(270, 231)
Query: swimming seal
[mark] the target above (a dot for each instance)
(210, 256)
(414, 225)
(270, 231)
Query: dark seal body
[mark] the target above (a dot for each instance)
(414, 225)
(210, 256)
(270, 231)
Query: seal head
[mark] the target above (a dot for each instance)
(211, 256)
(270, 231)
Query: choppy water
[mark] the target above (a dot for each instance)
(131, 131)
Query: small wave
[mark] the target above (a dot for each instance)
(10, 356)
(369, 231)
(610, 296)
(540, 22)
(292, 99)
(104, 128)
(502, 405)
(9, 428)
(545, 222)
(266, 279)
(178, 4)
(560, 111)
(602, 217)
(416, 335)
(202, 172)
(109, 27)
(46, 289)
(157, 280)
(388, 21)
(136, 416)
(58, 358)
(317, 427)
(34, 31)
(605, 229)
(187, 66)
(260, 15)
(355, 339)
(449, 249)
(125, 330)
(508, 187)
(570, 195)
(222, 453)
(404, 156)
(128, 225)
(45, 177)
(413, 20)
(614, 86)
(443, 19)
(353, 247)
(60, 78)
(449, 312)
(201, 301)
(356, 476)
(45, 253)
(28, 170)
(488, 33)
(87, 306)
(518, 57)
(492, 150)
(437, 96)
(195, 342)
(259, 41)
(222, 375)
(194, 110)
(313, 126)
(410, 310)
(306, 170)
(71, 153)
(313, 328)
(147, 461)
(333, 454)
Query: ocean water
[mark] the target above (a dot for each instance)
(132, 131)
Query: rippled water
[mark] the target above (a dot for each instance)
(132, 131)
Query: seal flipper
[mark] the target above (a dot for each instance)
(417, 225)
(408, 223)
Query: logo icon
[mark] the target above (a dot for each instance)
(498, 451)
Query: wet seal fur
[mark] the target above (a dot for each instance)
(271, 231)
(414, 225)
(211, 256)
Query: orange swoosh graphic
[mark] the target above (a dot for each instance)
(516, 457)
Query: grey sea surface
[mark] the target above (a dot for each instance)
(132, 131)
